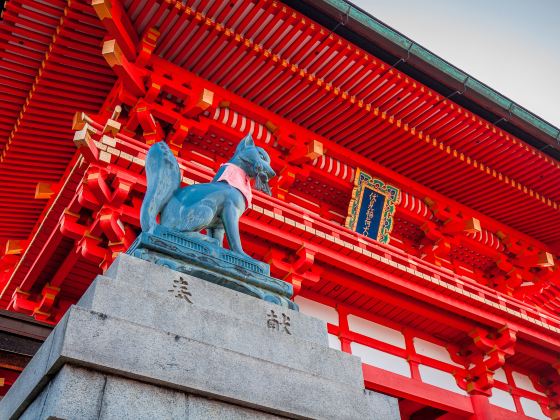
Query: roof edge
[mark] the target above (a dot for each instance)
(408, 52)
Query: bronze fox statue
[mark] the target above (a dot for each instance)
(215, 206)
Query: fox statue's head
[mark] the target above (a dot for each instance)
(255, 162)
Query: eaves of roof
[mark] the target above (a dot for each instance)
(364, 30)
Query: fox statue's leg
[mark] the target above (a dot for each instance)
(217, 233)
(230, 219)
(189, 219)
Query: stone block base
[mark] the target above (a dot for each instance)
(146, 342)
(84, 394)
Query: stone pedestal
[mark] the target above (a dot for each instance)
(146, 342)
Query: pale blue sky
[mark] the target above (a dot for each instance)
(512, 46)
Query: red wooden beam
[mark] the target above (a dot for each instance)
(393, 384)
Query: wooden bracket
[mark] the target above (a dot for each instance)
(15, 246)
(116, 20)
(112, 126)
(199, 101)
(131, 76)
(45, 190)
(486, 354)
(84, 142)
(458, 224)
(539, 259)
(306, 152)
(301, 270)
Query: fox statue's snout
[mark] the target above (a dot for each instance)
(256, 163)
(265, 174)
(265, 171)
(269, 172)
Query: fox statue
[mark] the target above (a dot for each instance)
(215, 206)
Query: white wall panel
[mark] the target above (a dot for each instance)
(440, 379)
(381, 359)
(500, 375)
(524, 382)
(432, 350)
(334, 342)
(502, 399)
(375, 330)
(316, 309)
(532, 409)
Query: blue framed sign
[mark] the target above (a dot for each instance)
(372, 207)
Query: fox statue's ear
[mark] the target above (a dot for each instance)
(246, 141)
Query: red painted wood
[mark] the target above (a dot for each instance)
(306, 84)
(383, 381)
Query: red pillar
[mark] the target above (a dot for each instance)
(481, 407)
(343, 329)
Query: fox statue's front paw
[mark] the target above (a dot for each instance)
(242, 253)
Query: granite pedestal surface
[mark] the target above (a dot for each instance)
(147, 342)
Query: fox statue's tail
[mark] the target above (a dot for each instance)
(163, 177)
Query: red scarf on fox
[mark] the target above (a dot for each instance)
(237, 178)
